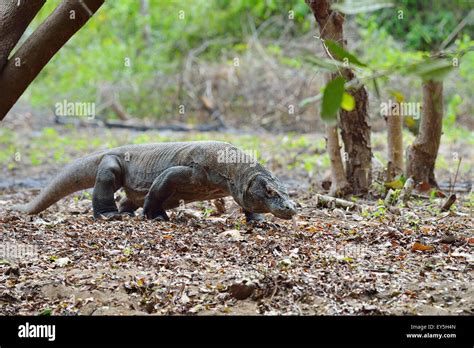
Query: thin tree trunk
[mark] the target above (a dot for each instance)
(339, 183)
(355, 130)
(145, 12)
(395, 145)
(27, 62)
(15, 16)
(355, 133)
(421, 156)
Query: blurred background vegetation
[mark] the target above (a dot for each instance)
(174, 60)
(192, 46)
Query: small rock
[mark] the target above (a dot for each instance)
(233, 235)
(63, 261)
(339, 213)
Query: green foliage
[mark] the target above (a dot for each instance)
(361, 6)
(341, 54)
(431, 69)
(423, 24)
(452, 111)
(332, 98)
(111, 49)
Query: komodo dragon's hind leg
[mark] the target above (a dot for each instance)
(164, 186)
(108, 180)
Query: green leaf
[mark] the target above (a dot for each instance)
(325, 64)
(348, 102)
(332, 98)
(341, 54)
(431, 69)
(396, 184)
(360, 6)
(46, 312)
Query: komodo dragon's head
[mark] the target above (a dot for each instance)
(267, 195)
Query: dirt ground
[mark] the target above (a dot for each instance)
(328, 261)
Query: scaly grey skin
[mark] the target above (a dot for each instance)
(161, 176)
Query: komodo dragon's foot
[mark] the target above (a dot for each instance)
(159, 215)
(258, 220)
(108, 215)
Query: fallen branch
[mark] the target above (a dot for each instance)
(138, 127)
(332, 202)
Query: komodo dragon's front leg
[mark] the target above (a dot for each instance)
(108, 180)
(164, 186)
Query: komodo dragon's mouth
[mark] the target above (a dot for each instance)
(285, 210)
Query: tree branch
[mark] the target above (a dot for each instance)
(27, 62)
(15, 16)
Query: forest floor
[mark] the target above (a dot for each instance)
(327, 261)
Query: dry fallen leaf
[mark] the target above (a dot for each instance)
(421, 247)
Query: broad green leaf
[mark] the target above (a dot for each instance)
(360, 6)
(431, 69)
(396, 184)
(332, 98)
(348, 102)
(341, 54)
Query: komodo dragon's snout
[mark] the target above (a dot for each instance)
(269, 196)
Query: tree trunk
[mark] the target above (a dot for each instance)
(395, 145)
(145, 12)
(27, 62)
(339, 183)
(355, 133)
(421, 156)
(355, 130)
(14, 19)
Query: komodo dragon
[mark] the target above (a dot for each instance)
(160, 176)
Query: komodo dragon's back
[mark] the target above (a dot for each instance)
(144, 161)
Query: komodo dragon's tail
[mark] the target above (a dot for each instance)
(78, 175)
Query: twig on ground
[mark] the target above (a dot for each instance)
(448, 203)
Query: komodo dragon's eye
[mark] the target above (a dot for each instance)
(270, 191)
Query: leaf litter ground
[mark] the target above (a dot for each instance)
(328, 261)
